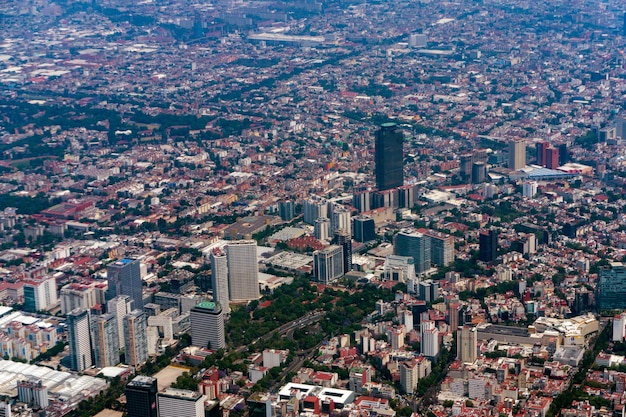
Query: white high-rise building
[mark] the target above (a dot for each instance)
(120, 306)
(429, 342)
(219, 276)
(79, 336)
(5, 409)
(77, 296)
(340, 218)
(321, 229)
(41, 294)
(619, 327)
(243, 270)
(314, 208)
(398, 268)
(180, 402)
(529, 189)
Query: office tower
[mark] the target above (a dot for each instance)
(552, 158)
(321, 229)
(540, 149)
(124, 277)
(428, 290)
(344, 239)
(466, 344)
(314, 208)
(453, 315)
(362, 201)
(479, 172)
(141, 397)
(243, 270)
(5, 409)
(407, 196)
(180, 402)
(219, 278)
(611, 289)
(77, 296)
(441, 247)
(364, 229)
(207, 326)
(340, 218)
(120, 306)
(416, 245)
(386, 198)
(389, 157)
(517, 154)
(33, 392)
(418, 40)
(466, 163)
(488, 245)
(529, 189)
(106, 342)
(135, 336)
(78, 334)
(328, 264)
(287, 210)
(563, 154)
(398, 268)
(40, 295)
(429, 342)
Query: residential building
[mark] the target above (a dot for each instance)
(40, 295)
(106, 342)
(79, 337)
(135, 337)
(119, 307)
(77, 296)
(219, 279)
(429, 342)
(33, 392)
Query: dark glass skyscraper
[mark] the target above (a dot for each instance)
(124, 277)
(389, 157)
(488, 246)
(141, 397)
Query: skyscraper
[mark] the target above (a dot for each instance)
(135, 336)
(343, 239)
(340, 218)
(517, 154)
(40, 294)
(389, 157)
(364, 229)
(141, 397)
(286, 210)
(479, 172)
(124, 277)
(219, 278)
(611, 289)
(243, 270)
(416, 245)
(328, 264)
(106, 342)
(207, 325)
(78, 333)
(540, 150)
(488, 245)
(314, 208)
(466, 344)
(120, 306)
(552, 158)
